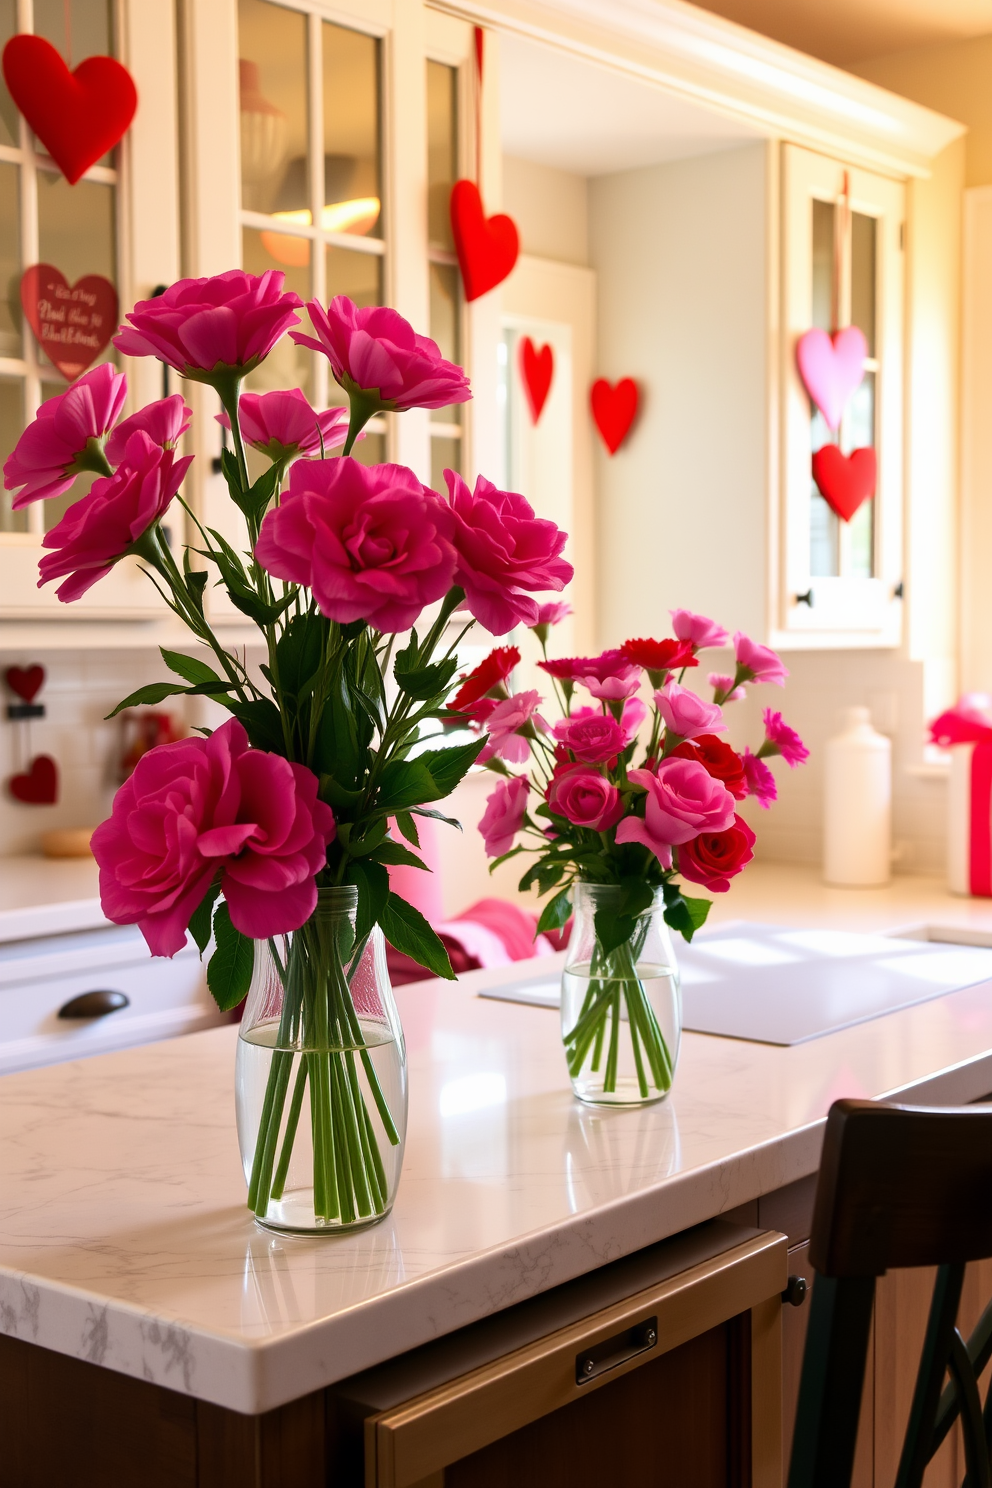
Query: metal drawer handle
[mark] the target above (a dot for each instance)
(94, 1004)
(597, 1360)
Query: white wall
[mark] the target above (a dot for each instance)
(550, 208)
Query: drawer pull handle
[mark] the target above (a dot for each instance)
(94, 1004)
(593, 1362)
(795, 1292)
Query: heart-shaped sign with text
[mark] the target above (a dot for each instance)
(487, 247)
(845, 481)
(537, 368)
(78, 116)
(73, 323)
(831, 367)
(614, 410)
(39, 786)
(25, 682)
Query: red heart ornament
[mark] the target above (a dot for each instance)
(72, 323)
(25, 682)
(537, 369)
(78, 116)
(614, 410)
(487, 247)
(845, 481)
(40, 786)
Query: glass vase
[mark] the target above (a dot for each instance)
(621, 1010)
(320, 1079)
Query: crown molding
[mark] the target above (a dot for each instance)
(722, 66)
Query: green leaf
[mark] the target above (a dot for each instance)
(431, 776)
(448, 766)
(373, 836)
(262, 723)
(684, 915)
(199, 925)
(554, 915)
(612, 929)
(230, 967)
(372, 883)
(151, 693)
(343, 736)
(394, 853)
(449, 821)
(408, 827)
(299, 651)
(188, 667)
(409, 933)
(422, 682)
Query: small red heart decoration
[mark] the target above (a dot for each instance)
(487, 247)
(614, 410)
(25, 682)
(40, 786)
(845, 481)
(72, 323)
(78, 116)
(537, 369)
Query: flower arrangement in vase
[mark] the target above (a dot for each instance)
(613, 837)
(271, 837)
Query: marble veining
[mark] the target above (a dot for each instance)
(125, 1241)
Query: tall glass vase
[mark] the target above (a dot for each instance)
(621, 1009)
(321, 1077)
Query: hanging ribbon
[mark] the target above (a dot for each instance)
(965, 725)
(479, 37)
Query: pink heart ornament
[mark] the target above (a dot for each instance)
(831, 367)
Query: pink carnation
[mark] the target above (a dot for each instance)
(165, 422)
(203, 327)
(100, 528)
(759, 780)
(783, 740)
(203, 808)
(683, 799)
(503, 725)
(757, 663)
(504, 815)
(585, 798)
(370, 542)
(591, 736)
(376, 351)
(283, 425)
(503, 551)
(685, 714)
(697, 629)
(65, 437)
(722, 683)
(553, 613)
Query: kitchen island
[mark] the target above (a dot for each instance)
(125, 1242)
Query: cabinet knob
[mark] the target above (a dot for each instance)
(96, 1004)
(807, 598)
(795, 1292)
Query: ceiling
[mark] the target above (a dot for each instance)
(562, 111)
(846, 32)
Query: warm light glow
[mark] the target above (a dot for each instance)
(356, 217)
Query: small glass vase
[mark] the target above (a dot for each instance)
(621, 1010)
(320, 1078)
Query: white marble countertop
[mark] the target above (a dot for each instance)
(124, 1237)
(48, 896)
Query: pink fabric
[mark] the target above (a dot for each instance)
(44, 461)
(165, 422)
(513, 926)
(204, 326)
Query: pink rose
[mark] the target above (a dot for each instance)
(203, 808)
(683, 799)
(375, 351)
(759, 780)
(283, 425)
(504, 815)
(65, 436)
(165, 422)
(721, 683)
(757, 663)
(783, 740)
(685, 714)
(205, 327)
(102, 526)
(503, 550)
(714, 858)
(697, 629)
(371, 542)
(586, 798)
(503, 725)
(634, 713)
(592, 737)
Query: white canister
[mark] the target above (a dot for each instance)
(857, 804)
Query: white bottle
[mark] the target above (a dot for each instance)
(857, 804)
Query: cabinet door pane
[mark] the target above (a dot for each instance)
(445, 313)
(10, 263)
(823, 265)
(863, 276)
(76, 228)
(273, 74)
(358, 275)
(287, 364)
(9, 120)
(352, 166)
(11, 424)
(442, 152)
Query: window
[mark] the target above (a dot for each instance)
(445, 283)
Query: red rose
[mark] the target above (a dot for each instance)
(714, 858)
(491, 672)
(717, 757)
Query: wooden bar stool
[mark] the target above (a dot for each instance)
(898, 1187)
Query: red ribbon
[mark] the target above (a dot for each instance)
(963, 725)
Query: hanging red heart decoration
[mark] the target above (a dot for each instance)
(40, 785)
(845, 481)
(537, 369)
(72, 323)
(614, 410)
(831, 367)
(78, 116)
(487, 247)
(25, 682)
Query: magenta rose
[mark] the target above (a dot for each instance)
(683, 799)
(592, 737)
(685, 714)
(65, 437)
(757, 663)
(203, 809)
(504, 723)
(783, 740)
(205, 327)
(371, 542)
(585, 798)
(376, 352)
(283, 425)
(504, 815)
(503, 551)
(99, 529)
(759, 780)
(697, 629)
(714, 858)
(165, 422)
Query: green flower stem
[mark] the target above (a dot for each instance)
(289, 1137)
(614, 982)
